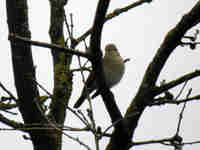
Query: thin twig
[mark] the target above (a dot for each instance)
(90, 111)
(84, 82)
(84, 118)
(177, 102)
(112, 125)
(8, 92)
(181, 91)
(116, 122)
(81, 69)
(71, 24)
(9, 112)
(44, 89)
(60, 130)
(85, 122)
(174, 83)
(42, 128)
(11, 123)
(190, 143)
(67, 25)
(164, 141)
(181, 113)
(7, 106)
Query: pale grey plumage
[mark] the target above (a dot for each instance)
(114, 68)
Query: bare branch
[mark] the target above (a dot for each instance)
(181, 91)
(14, 37)
(4, 106)
(53, 125)
(113, 14)
(119, 11)
(11, 123)
(44, 89)
(161, 141)
(174, 83)
(191, 143)
(177, 102)
(82, 119)
(181, 113)
(8, 92)
(146, 90)
(81, 69)
(95, 42)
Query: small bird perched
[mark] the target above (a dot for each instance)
(113, 66)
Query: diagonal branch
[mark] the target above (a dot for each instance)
(174, 83)
(145, 93)
(119, 11)
(11, 123)
(8, 92)
(113, 14)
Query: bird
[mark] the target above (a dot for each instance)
(113, 67)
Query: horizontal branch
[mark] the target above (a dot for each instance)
(165, 141)
(4, 106)
(12, 37)
(161, 141)
(174, 83)
(191, 143)
(81, 69)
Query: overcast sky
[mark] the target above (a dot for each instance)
(137, 34)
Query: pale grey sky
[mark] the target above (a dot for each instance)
(137, 34)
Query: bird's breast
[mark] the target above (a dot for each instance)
(113, 70)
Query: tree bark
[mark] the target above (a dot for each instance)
(24, 75)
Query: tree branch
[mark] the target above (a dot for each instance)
(177, 102)
(161, 141)
(113, 14)
(5, 107)
(22, 61)
(120, 135)
(11, 123)
(174, 83)
(14, 38)
(8, 92)
(145, 93)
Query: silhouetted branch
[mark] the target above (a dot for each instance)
(191, 143)
(14, 38)
(181, 113)
(8, 92)
(146, 92)
(113, 14)
(181, 91)
(177, 102)
(160, 141)
(11, 123)
(174, 83)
